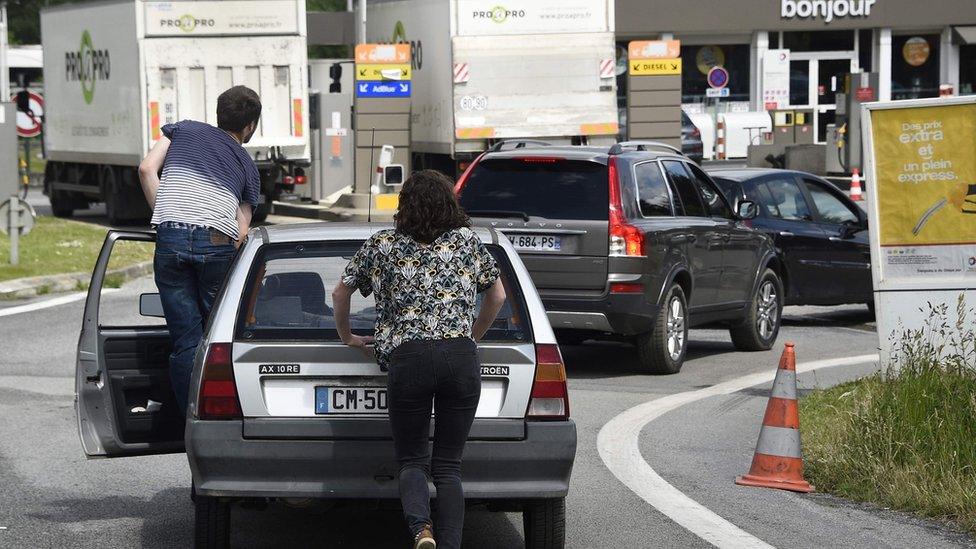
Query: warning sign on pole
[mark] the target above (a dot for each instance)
(29, 123)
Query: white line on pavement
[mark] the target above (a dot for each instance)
(53, 302)
(620, 450)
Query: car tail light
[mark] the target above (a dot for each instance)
(459, 186)
(550, 396)
(288, 180)
(300, 179)
(625, 239)
(626, 288)
(218, 390)
(541, 159)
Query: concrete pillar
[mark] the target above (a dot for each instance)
(881, 62)
(760, 44)
(949, 59)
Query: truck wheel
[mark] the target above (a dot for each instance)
(544, 523)
(663, 349)
(760, 327)
(212, 523)
(261, 213)
(61, 206)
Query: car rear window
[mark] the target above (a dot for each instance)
(289, 296)
(543, 187)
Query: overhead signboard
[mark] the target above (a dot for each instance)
(491, 18)
(228, 17)
(382, 89)
(650, 67)
(383, 72)
(922, 206)
(383, 53)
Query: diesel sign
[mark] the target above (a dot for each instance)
(828, 10)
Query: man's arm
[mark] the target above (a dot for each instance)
(244, 214)
(150, 167)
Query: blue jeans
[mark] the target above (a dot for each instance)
(443, 376)
(190, 264)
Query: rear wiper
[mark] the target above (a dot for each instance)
(498, 213)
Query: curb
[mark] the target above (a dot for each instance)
(34, 286)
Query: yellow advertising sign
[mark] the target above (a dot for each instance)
(925, 164)
(660, 67)
(383, 72)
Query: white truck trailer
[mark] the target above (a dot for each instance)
(116, 72)
(484, 72)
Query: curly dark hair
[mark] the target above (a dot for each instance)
(428, 207)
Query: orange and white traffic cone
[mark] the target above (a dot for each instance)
(856, 185)
(778, 462)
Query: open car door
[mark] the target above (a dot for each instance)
(123, 399)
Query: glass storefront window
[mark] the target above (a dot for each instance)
(967, 69)
(915, 66)
(819, 41)
(698, 60)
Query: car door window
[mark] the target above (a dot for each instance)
(685, 187)
(714, 200)
(782, 198)
(831, 209)
(653, 196)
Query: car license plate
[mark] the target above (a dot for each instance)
(536, 242)
(350, 400)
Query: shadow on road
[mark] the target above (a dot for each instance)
(607, 359)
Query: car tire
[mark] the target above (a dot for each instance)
(760, 327)
(544, 523)
(60, 205)
(261, 213)
(663, 349)
(212, 523)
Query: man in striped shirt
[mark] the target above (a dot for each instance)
(202, 206)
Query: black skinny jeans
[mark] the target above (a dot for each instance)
(445, 375)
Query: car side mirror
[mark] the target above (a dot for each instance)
(151, 305)
(747, 209)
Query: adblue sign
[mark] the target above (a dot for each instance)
(827, 10)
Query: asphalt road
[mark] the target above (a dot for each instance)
(50, 495)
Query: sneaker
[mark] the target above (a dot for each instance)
(424, 539)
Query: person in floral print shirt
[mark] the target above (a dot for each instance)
(425, 276)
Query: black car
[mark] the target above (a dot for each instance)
(821, 235)
(691, 140)
(634, 241)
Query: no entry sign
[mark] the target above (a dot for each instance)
(29, 123)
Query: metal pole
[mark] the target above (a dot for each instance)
(14, 220)
(4, 70)
(361, 34)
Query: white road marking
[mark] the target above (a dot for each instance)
(53, 302)
(620, 450)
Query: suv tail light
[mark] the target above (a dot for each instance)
(625, 239)
(218, 390)
(459, 186)
(550, 396)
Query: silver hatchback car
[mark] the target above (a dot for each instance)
(280, 408)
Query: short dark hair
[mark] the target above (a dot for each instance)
(237, 107)
(428, 207)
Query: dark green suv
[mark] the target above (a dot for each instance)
(635, 240)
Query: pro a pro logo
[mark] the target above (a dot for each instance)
(87, 65)
(186, 23)
(499, 14)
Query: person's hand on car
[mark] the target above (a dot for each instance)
(363, 343)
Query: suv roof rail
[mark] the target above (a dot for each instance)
(518, 144)
(619, 148)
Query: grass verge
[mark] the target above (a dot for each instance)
(904, 438)
(58, 246)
